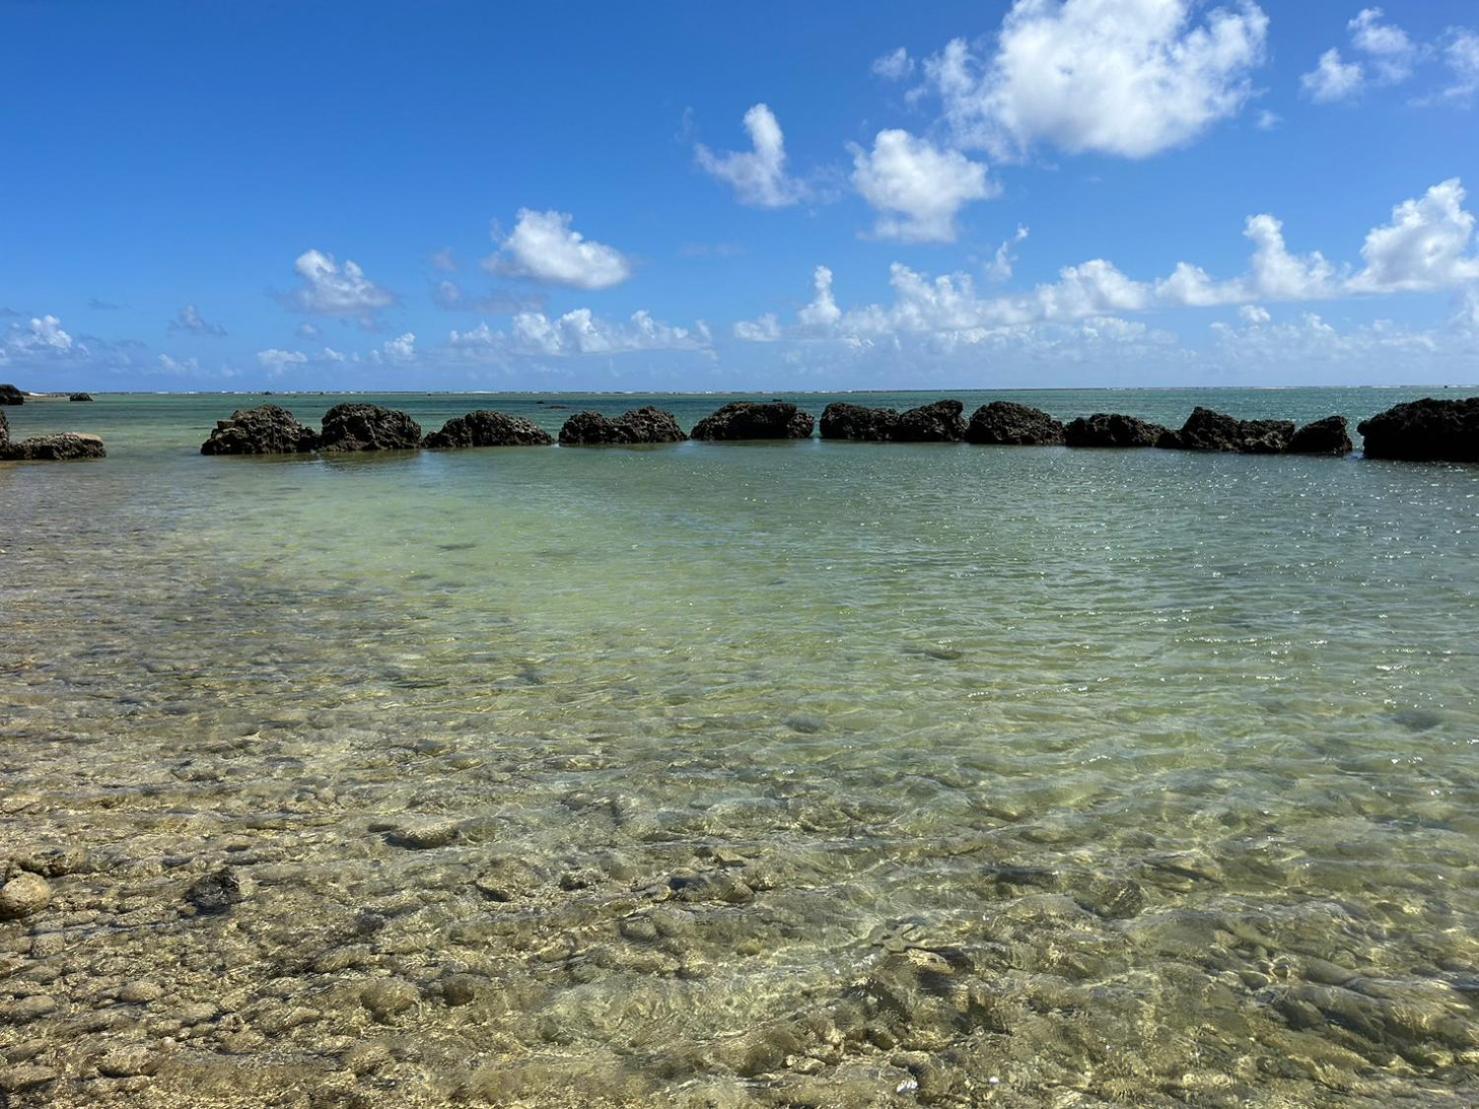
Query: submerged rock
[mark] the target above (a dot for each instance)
(748, 420)
(387, 998)
(1002, 422)
(488, 429)
(1327, 436)
(638, 425)
(939, 422)
(24, 895)
(1425, 430)
(216, 892)
(1107, 429)
(65, 447)
(1206, 430)
(266, 429)
(368, 427)
(9, 394)
(80, 396)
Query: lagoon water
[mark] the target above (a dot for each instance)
(739, 775)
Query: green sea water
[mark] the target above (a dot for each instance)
(776, 774)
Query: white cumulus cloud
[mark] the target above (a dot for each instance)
(276, 361)
(332, 290)
(1427, 245)
(917, 188)
(1333, 79)
(544, 247)
(578, 332)
(765, 329)
(758, 176)
(893, 66)
(1124, 77)
(189, 320)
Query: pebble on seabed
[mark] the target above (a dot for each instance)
(24, 895)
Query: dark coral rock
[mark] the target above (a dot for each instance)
(748, 420)
(1327, 436)
(9, 394)
(841, 420)
(1425, 430)
(1005, 423)
(488, 429)
(4, 431)
(1105, 429)
(639, 425)
(939, 422)
(80, 396)
(266, 429)
(66, 447)
(368, 427)
(1206, 430)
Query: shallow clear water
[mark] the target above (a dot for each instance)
(788, 774)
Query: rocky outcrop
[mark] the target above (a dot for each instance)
(487, 429)
(749, 420)
(368, 427)
(65, 447)
(266, 429)
(80, 396)
(1327, 436)
(4, 431)
(1002, 422)
(1206, 430)
(841, 420)
(1107, 429)
(939, 422)
(1425, 430)
(636, 426)
(9, 394)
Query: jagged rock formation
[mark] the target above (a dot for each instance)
(368, 427)
(749, 420)
(636, 426)
(1206, 430)
(939, 422)
(1105, 429)
(1004, 423)
(266, 429)
(65, 447)
(1425, 430)
(484, 428)
(1327, 436)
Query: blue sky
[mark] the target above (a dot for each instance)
(681, 196)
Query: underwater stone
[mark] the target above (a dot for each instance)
(24, 895)
(387, 998)
(422, 837)
(216, 892)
